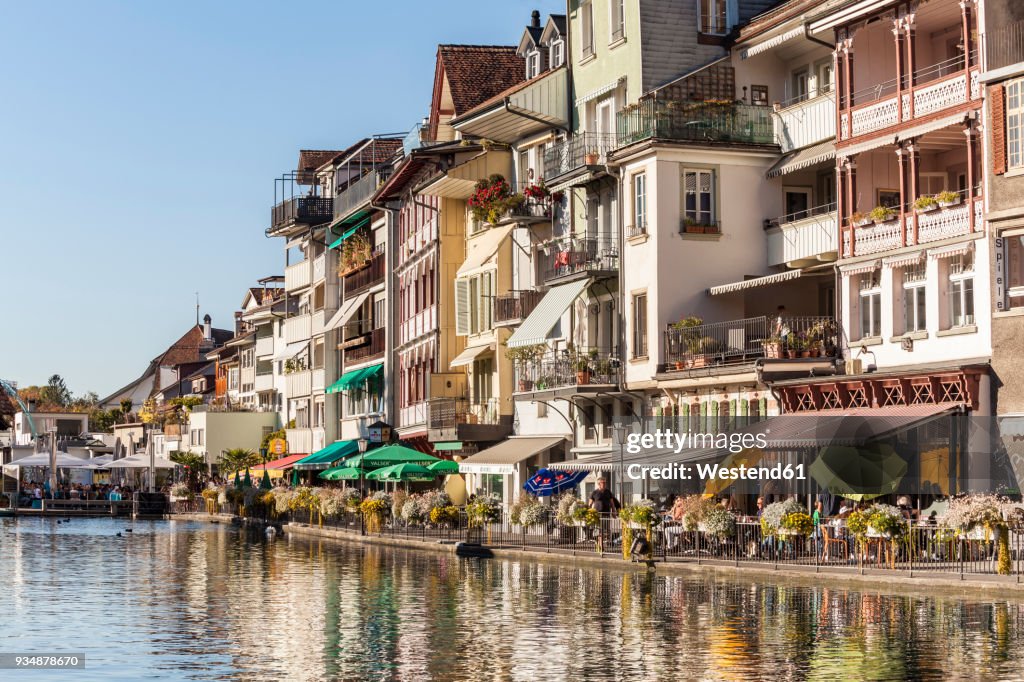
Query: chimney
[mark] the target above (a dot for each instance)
(239, 325)
(207, 331)
(535, 19)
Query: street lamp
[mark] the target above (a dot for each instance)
(362, 444)
(619, 436)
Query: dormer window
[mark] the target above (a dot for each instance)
(557, 53)
(533, 63)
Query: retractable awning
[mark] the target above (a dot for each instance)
(538, 324)
(291, 350)
(503, 457)
(346, 311)
(324, 459)
(802, 158)
(482, 249)
(355, 378)
(755, 282)
(467, 356)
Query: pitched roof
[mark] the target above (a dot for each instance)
(372, 151)
(192, 346)
(311, 159)
(474, 73)
(500, 97)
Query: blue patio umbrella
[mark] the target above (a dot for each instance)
(547, 482)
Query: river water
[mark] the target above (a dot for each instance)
(189, 600)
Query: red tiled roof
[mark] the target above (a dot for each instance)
(192, 347)
(488, 103)
(311, 159)
(476, 73)
(374, 152)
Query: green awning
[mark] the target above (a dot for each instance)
(355, 378)
(450, 445)
(348, 233)
(324, 459)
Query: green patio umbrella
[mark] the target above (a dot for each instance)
(265, 483)
(390, 454)
(295, 476)
(444, 466)
(405, 471)
(341, 473)
(238, 482)
(247, 481)
(861, 473)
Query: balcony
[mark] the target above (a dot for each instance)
(580, 156)
(938, 87)
(369, 275)
(264, 346)
(805, 122)
(571, 258)
(297, 276)
(695, 122)
(804, 237)
(512, 308)
(460, 419)
(298, 328)
(360, 346)
(356, 194)
(301, 211)
(304, 440)
(740, 342)
(264, 382)
(569, 372)
(319, 267)
(943, 222)
(298, 383)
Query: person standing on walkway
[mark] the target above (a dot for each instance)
(604, 503)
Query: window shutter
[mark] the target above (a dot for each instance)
(487, 300)
(462, 307)
(997, 96)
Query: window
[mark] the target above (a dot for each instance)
(798, 202)
(557, 53)
(532, 64)
(617, 25)
(870, 305)
(1015, 124)
(318, 354)
(914, 311)
(587, 29)
(233, 379)
(640, 325)
(483, 377)
(318, 414)
(640, 202)
(1013, 258)
(474, 304)
(759, 95)
(799, 84)
(698, 198)
(825, 76)
(713, 17)
(961, 291)
(196, 436)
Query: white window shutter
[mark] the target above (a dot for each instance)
(462, 307)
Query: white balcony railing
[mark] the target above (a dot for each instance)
(320, 267)
(933, 226)
(806, 123)
(264, 346)
(299, 440)
(264, 382)
(413, 415)
(297, 328)
(318, 380)
(297, 276)
(298, 383)
(811, 238)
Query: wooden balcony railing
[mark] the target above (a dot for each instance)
(515, 306)
(370, 275)
(370, 345)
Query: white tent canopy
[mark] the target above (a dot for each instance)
(42, 459)
(140, 462)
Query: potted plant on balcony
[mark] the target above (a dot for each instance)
(946, 198)
(860, 219)
(492, 198)
(688, 336)
(773, 346)
(882, 214)
(522, 357)
(925, 204)
(591, 157)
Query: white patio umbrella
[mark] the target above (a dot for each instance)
(42, 459)
(139, 462)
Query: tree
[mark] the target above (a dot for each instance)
(195, 466)
(148, 413)
(56, 392)
(126, 407)
(237, 459)
(86, 402)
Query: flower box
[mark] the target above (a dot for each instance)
(947, 204)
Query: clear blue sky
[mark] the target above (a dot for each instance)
(139, 142)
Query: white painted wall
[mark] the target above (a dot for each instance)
(226, 430)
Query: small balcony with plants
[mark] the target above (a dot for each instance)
(692, 344)
(467, 419)
(566, 371)
(583, 156)
(564, 259)
(496, 202)
(712, 121)
(361, 274)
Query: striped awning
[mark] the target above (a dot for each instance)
(860, 268)
(802, 158)
(952, 250)
(467, 356)
(603, 90)
(505, 456)
(538, 324)
(903, 260)
(481, 249)
(755, 282)
(773, 42)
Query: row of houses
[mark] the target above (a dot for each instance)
(654, 210)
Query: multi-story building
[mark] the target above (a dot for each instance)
(263, 311)
(496, 284)
(429, 233)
